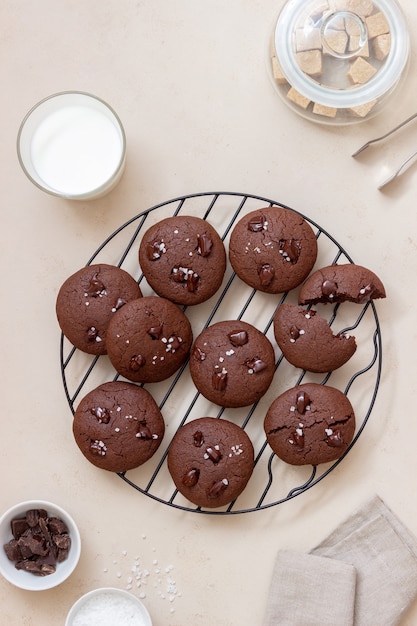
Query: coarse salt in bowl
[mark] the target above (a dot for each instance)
(27, 580)
(108, 606)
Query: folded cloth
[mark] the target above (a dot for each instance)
(363, 574)
(384, 555)
(309, 590)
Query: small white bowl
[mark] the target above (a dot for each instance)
(112, 603)
(26, 580)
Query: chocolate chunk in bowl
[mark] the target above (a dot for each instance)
(41, 545)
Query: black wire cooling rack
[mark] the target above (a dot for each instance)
(273, 481)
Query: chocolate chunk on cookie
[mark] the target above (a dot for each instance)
(210, 461)
(341, 283)
(307, 341)
(87, 301)
(118, 426)
(232, 363)
(183, 259)
(310, 424)
(272, 249)
(148, 339)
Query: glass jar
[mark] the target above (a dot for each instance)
(339, 61)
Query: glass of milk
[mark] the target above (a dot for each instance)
(72, 145)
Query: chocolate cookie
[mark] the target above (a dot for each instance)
(87, 301)
(341, 283)
(232, 363)
(210, 461)
(310, 424)
(148, 339)
(118, 426)
(183, 259)
(307, 341)
(272, 249)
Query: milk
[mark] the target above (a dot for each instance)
(76, 149)
(72, 145)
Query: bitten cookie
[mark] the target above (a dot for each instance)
(87, 301)
(148, 339)
(232, 363)
(210, 461)
(310, 424)
(183, 259)
(307, 341)
(341, 283)
(118, 426)
(272, 249)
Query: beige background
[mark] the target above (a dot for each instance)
(189, 81)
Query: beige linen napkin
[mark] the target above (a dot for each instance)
(382, 556)
(309, 590)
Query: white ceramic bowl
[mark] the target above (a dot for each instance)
(108, 605)
(26, 580)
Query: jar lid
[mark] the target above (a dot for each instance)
(342, 53)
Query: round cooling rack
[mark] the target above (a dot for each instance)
(273, 481)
